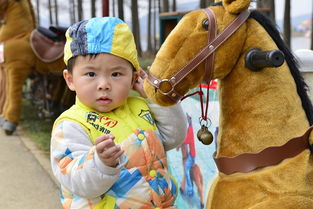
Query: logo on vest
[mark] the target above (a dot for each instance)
(145, 114)
(101, 123)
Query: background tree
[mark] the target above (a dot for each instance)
(156, 8)
(38, 12)
(135, 25)
(149, 41)
(93, 8)
(205, 3)
(72, 11)
(287, 23)
(56, 15)
(50, 12)
(159, 6)
(174, 6)
(113, 8)
(165, 6)
(80, 14)
(268, 4)
(120, 9)
(312, 29)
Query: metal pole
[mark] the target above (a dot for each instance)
(105, 8)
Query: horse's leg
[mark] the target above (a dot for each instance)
(2, 93)
(2, 88)
(198, 179)
(16, 74)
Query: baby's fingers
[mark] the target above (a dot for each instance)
(117, 155)
(109, 153)
(103, 138)
(105, 145)
(110, 156)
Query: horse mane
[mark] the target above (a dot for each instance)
(292, 62)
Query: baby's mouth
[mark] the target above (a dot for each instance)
(104, 100)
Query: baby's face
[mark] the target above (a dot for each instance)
(102, 83)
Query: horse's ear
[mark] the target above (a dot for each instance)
(236, 6)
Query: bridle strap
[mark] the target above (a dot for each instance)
(209, 64)
(204, 53)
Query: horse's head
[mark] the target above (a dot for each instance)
(186, 40)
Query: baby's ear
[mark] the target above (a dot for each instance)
(236, 6)
(68, 77)
(135, 78)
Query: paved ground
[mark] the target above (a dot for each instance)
(25, 175)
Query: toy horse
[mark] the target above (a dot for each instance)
(263, 145)
(16, 31)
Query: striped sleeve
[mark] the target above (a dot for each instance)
(75, 162)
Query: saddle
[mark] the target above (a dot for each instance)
(48, 44)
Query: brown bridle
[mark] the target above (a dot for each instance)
(207, 53)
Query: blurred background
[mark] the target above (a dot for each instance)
(293, 17)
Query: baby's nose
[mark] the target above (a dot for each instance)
(104, 84)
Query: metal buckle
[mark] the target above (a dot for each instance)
(170, 82)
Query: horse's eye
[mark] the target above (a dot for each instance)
(205, 24)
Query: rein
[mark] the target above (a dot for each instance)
(207, 53)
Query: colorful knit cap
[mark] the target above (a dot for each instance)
(101, 35)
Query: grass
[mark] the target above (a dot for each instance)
(34, 127)
(145, 62)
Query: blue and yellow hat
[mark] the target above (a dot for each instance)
(101, 35)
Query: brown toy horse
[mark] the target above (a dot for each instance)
(16, 31)
(262, 164)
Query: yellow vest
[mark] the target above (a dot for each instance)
(144, 182)
(120, 123)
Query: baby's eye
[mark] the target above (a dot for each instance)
(91, 74)
(116, 74)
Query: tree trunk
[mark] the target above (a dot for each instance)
(93, 8)
(80, 10)
(135, 25)
(120, 5)
(312, 29)
(159, 6)
(174, 6)
(113, 7)
(268, 4)
(202, 3)
(149, 45)
(165, 6)
(56, 8)
(205, 3)
(155, 7)
(72, 11)
(38, 12)
(50, 12)
(287, 24)
(273, 13)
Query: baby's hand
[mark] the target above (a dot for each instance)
(138, 86)
(108, 151)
